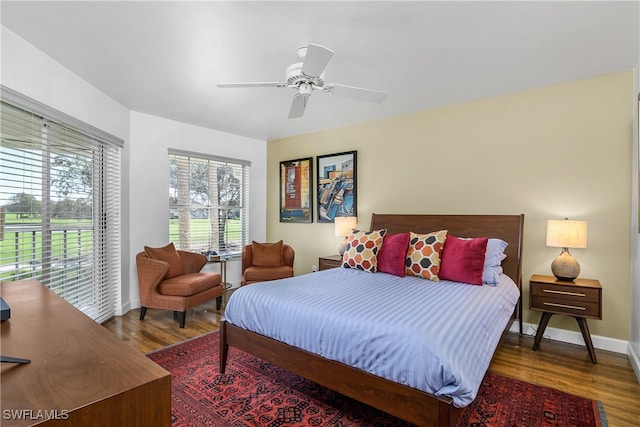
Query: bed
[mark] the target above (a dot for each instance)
(415, 403)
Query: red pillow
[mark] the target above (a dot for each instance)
(393, 253)
(463, 260)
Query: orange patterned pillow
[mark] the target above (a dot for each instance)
(361, 251)
(423, 255)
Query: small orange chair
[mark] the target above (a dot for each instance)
(262, 262)
(171, 279)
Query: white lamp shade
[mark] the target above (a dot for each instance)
(344, 224)
(564, 233)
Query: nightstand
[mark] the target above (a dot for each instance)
(329, 261)
(580, 298)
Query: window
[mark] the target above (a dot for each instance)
(208, 203)
(60, 197)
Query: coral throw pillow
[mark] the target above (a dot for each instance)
(463, 260)
(423, 254)
(361, 251)
(266, 254)
(393, 254)
(169, 254)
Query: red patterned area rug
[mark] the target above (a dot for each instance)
(255, 393)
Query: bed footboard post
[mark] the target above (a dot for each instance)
(224, 347)
(448, 414)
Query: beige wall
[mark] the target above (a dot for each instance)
(634, 327)
(554, 152)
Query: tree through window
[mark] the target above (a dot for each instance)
(208, 203)
(60, 198)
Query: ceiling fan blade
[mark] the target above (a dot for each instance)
(316, 60)
(298, 105)
(252, 84)
(353, 92)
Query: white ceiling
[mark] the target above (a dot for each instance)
(165, 58)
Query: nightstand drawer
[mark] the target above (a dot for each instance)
(575, 293)
(572, 307)
(330, 261)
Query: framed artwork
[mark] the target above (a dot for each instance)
(336, 186)
(296, 183)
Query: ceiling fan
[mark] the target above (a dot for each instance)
(307, 76)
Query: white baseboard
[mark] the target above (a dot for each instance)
(124, 308)
(602, 343)
(634, 358)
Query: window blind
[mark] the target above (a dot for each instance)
(208, 203)
(60, 193)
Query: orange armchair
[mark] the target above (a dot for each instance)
(266, 261)
(171, 279)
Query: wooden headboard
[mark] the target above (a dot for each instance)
(506, 227)
(509, 228)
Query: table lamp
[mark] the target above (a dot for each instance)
(343, 226)
(566, 234)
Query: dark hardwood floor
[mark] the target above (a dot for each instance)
(559, 365)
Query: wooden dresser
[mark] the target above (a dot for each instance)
(80, 373)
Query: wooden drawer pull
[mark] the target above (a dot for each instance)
(573, 307)
(574, 294)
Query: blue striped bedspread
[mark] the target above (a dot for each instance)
(438, 337)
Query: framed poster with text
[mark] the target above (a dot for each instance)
(296, 178)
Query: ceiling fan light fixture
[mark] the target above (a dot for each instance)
(308, 75)
(305, 88)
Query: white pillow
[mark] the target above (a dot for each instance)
(493, 257)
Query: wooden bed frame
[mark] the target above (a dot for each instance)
(408, 403)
